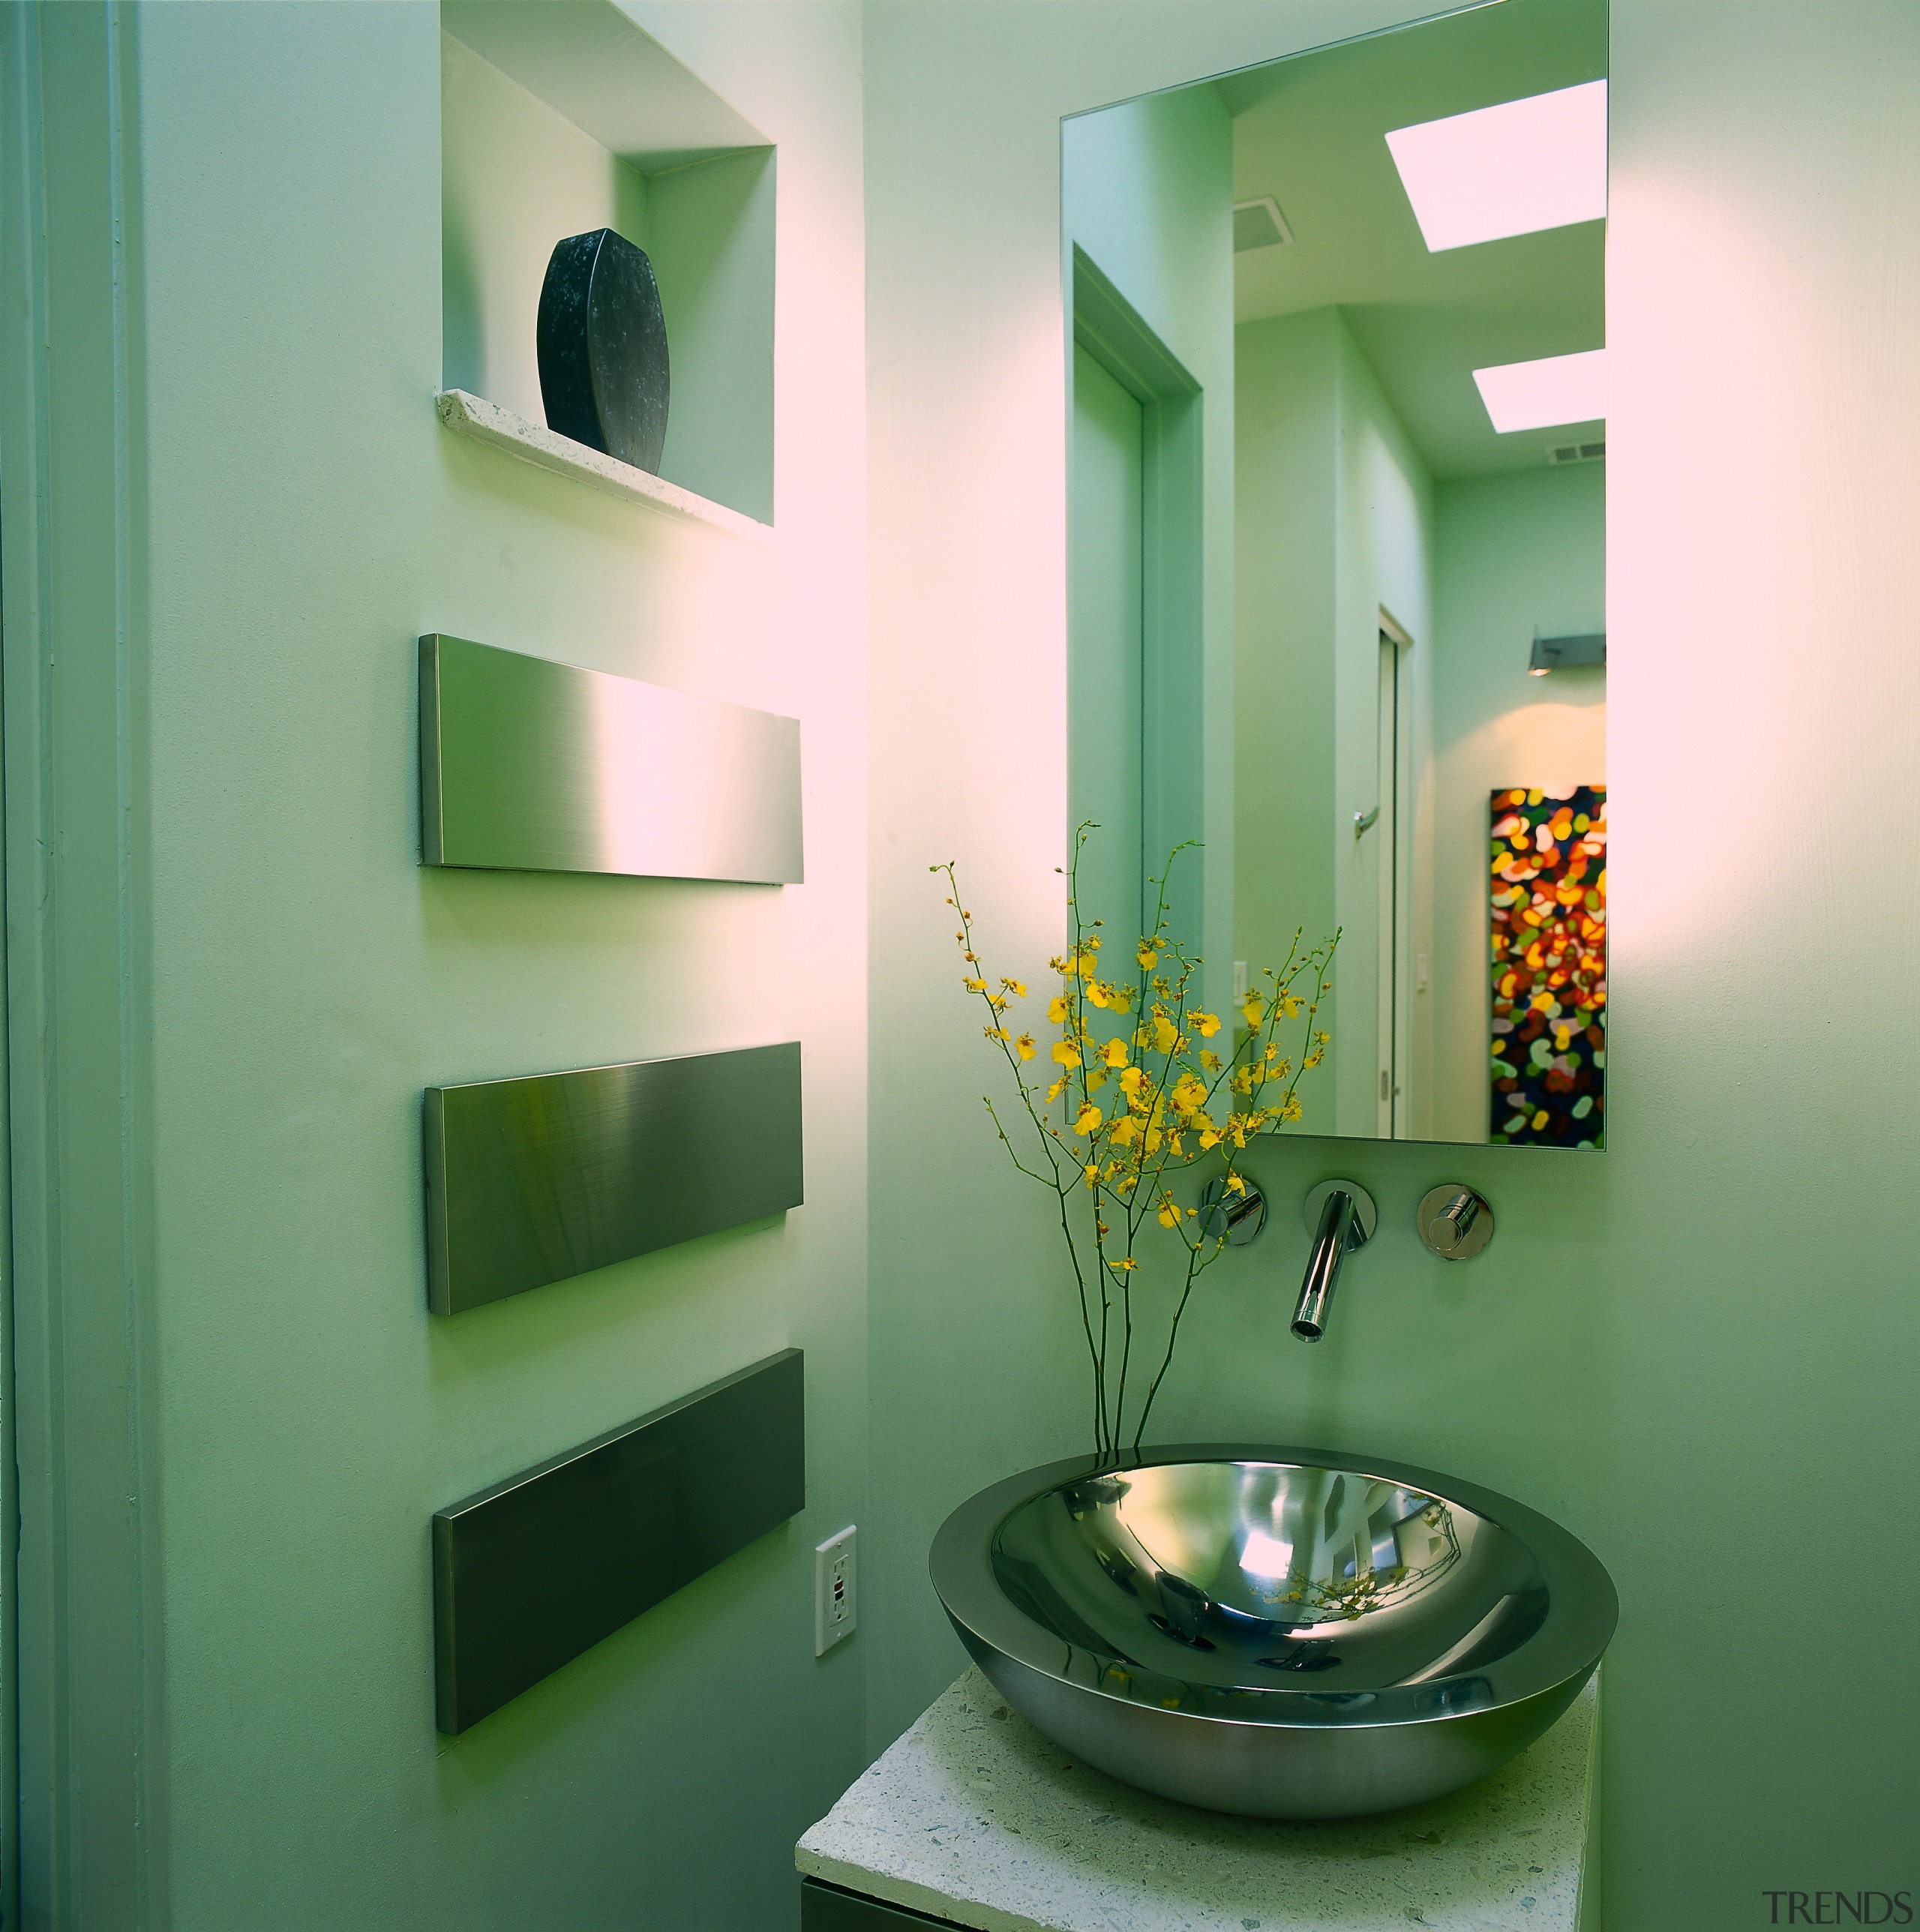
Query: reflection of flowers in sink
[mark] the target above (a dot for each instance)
(1282, 1595)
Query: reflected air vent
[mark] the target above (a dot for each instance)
(1569, 452)
(1258, 224)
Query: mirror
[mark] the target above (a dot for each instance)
(1336, 549)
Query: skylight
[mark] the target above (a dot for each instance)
(1537, 395)
(1539, 163)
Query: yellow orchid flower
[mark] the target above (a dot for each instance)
(1066, 1053)
(1091, 1174)
(1252, 1009)
(1132, 1079)
(1148, 954)
(1059, 1008)
(995, 1033)
(1210, 1060)
(1096, 993)
(1056, 1089)
(1290, 1107)
(974, 986)
(1235, 1185)
(1125, 1131)
(1018, 988)
(1205, 1025)
(1169, 1214)
(1114, 1053)
(1024, 1046)
(1087, 1120)
(1166, 1035)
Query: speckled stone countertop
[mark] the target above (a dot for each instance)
(974, 1817)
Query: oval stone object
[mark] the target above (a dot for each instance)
(602, 344)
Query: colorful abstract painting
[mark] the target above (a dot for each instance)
(1549, 968)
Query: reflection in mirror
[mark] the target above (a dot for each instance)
(1358, 295)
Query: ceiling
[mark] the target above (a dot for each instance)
(1310, 131)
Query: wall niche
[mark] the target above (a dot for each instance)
(559, 116)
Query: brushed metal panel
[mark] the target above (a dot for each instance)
(531, 1180)
(529, 766)
(529, 1572)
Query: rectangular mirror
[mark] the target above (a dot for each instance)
(1337, 550)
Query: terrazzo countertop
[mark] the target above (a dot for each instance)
(975, 1817)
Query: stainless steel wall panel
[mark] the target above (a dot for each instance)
(529, 766)
(531, 1180)
(531, 1572)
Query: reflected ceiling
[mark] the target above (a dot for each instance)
(1311, 132)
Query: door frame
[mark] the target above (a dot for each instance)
(1172, 534)
(84, 1823)
(1406, 805)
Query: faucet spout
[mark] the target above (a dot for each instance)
(1345, 1224)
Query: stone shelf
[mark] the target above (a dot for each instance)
(974, 1819)
(475, 417)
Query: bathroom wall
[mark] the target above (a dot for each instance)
(1334, 514)
(1697, 1348)
(1517, 555)
(294, 978)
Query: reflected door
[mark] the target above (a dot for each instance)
(1386, 838)
(1106, 652)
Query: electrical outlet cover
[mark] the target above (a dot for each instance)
(836, 1590)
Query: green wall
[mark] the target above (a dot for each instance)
(1147, 195)
(1517, 556)
(296, 978)
(1697, 1349)
(1333, 512)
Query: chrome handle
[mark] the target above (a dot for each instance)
(1454, 1222)
(1234, 1218)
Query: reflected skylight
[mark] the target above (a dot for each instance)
(1538, 163)
(1539, 395)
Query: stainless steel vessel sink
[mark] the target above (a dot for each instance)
(1289, 1632)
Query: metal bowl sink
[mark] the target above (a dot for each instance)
(1288, 1632)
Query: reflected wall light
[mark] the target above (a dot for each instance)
(1537, 395)
(1539, 163)
(1553, 653)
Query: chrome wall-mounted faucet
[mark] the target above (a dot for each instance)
(1341, 1217)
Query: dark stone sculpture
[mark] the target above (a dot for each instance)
(602, 342)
